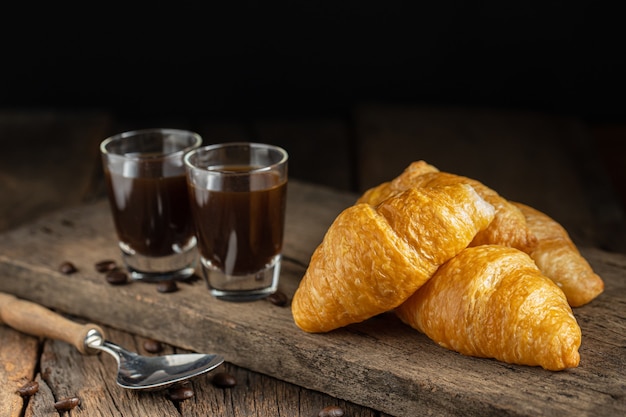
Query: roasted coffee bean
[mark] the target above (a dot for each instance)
(28, 389)
(331, 411)
(106, 265)
(66, 404)
(180, 392)
(224, 380)
(116, 277)
(278, 298)
(67, 268)
(167, 286)
(152, 346)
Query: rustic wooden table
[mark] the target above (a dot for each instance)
(379, 367)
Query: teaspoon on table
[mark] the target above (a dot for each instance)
(135, 371)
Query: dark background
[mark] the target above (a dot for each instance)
(244, 59)
(527, 97)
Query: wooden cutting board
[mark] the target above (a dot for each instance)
(380, 363)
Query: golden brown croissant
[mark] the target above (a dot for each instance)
(509, 224)
(558, 258)
(492, 301)
(373, 258)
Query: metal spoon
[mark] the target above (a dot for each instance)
(135, 371)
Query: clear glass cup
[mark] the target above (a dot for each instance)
(238, 196)
(147, 189)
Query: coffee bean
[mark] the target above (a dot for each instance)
(66, 404)
(28, 389)
(152, 346)
(180, 392)
(278, 298)
(106, 265)
(67, 268)
(331, 411)
(224, 380)
(116, 277)
(167, 286)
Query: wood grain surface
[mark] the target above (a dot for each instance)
(380, 363)
(63, 373)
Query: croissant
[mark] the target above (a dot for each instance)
(371, 259)
(509, 224)
(492, 301)
(559, 259)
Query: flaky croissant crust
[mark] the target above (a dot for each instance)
(404, 247)
(373, 258)
(492, 301)
(515, 225)
(559, 259)
(509, 224)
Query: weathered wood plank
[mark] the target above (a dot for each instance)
(18, 360)
(92, 380)
(260, 395)
(67, 373)
(42, 403)
(380, 363)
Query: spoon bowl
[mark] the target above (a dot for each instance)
(139, 372)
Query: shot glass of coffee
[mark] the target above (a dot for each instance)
(147, 188)
(238, 196)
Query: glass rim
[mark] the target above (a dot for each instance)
(283, 159)
(197, 141)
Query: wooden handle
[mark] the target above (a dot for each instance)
(36, 320)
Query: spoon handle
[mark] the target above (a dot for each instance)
(36, 320)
